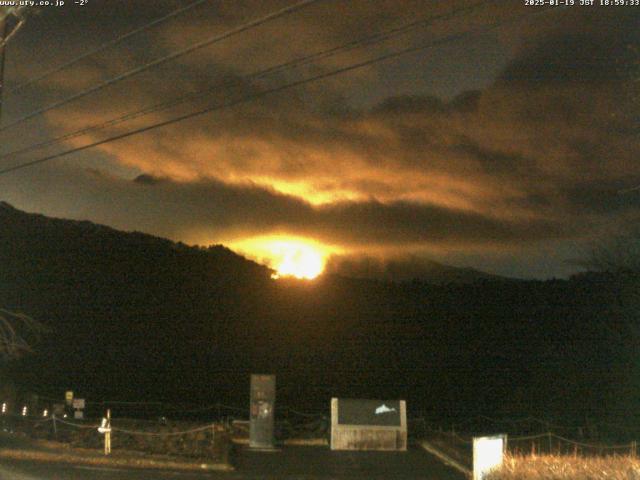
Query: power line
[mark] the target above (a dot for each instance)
(280, 88)
(104, 46)
(17, 12)
(217, 38)
(5, 40)
(361, 42)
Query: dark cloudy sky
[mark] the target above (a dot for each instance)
(505, 149)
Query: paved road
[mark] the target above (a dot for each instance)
(291, 463)
(311, 463)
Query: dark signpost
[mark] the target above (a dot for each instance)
(263, 398)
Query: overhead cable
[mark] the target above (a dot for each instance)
(297, 62)
(248, 98)
(162, 60)
(104, 46)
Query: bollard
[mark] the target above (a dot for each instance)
(105, 428)
(107, 435)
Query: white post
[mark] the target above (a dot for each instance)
(105, 428)
(107, 435)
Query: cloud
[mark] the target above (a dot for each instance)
(146, 179)
(206, 210)
(536, 156)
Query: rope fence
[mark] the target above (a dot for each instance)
(208, 440)
(158, 434)
(541, 443)
(524, 434)
(548, 425)
(157, 409)
(172, 433)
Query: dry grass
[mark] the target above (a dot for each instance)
(565, 467)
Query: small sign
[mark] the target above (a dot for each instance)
(68, 397)
(78, 415)
(488, 453)
(104, 426)
(78, 403)
(382, 409)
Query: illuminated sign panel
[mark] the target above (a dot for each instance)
(488, 453)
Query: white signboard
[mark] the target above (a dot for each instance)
(488, 453)
(78, 403)
(78, 414)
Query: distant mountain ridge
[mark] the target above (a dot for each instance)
(12, 218)
(406, 269)
(394, 270)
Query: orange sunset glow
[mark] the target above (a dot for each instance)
(289, 256)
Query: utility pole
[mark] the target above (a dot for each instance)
(3, 36)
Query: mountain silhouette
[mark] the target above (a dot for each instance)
(139, 318)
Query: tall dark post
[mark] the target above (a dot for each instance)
(263, 399)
